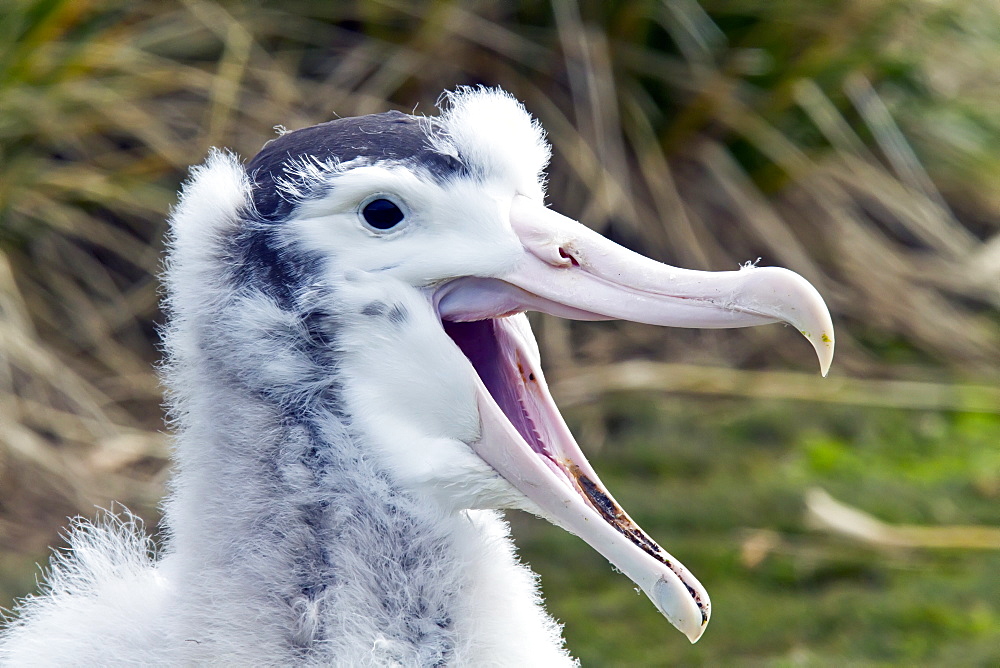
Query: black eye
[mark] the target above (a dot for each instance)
(382, 214)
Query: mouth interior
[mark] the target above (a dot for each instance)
(478, 341)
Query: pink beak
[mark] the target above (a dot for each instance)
(570, 271)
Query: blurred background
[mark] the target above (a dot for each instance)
(854, 519)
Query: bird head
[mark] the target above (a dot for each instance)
(425, 239)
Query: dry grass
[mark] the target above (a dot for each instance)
(846, 141)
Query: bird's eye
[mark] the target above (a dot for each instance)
(382, 214)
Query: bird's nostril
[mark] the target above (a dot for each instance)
(563, 253)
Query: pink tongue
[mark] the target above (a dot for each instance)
(479, 342)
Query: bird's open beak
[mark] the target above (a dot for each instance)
(570, 271)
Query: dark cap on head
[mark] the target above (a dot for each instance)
(390, 136)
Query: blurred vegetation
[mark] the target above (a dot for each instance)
(720, 484)
(852, 141)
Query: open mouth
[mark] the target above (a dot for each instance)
(501, 352)
(570, 271)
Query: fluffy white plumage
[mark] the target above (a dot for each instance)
(227, 584)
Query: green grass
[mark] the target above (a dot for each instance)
(708, 479)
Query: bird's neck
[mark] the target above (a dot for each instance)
(286, 530)
(285, 534)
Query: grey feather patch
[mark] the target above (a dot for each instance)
(397, 315)
(374, 309)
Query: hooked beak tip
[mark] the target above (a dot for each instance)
(824, 346)
(824, 366)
